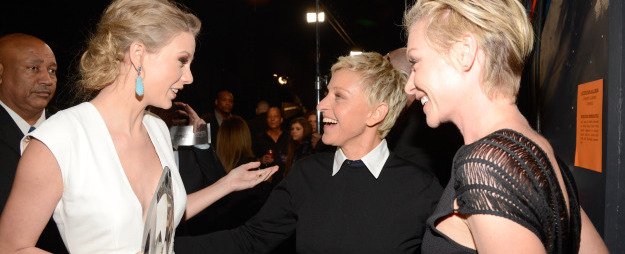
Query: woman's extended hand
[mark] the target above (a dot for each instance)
(246, 176)
(240, 178)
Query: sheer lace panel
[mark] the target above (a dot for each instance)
(506, 174)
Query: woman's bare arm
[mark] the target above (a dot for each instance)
(591, 241)
(494, 234)
(239, 178)
(36, 190)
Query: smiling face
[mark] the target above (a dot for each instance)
(168, 70)
(345, 110)
(433, 80)
(27, 74)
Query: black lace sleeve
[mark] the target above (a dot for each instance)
(507, 175)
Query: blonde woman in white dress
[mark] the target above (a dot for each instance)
(95, 167)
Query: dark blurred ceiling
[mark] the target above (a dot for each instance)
(241, 45)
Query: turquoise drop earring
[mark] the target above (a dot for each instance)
(139, 83)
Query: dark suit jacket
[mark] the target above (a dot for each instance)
(10, 136)
(257, 124)
(434, 148)
(200, 168)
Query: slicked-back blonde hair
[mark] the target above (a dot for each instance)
(501, 27)
(381, 83)
(151, 22)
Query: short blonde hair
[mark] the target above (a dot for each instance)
(381, 83)
(151, 22)
(502, 28)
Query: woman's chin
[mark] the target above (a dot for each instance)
(164, 105)
(326, 140)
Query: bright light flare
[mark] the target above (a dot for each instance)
(355, 53)
(311, 17)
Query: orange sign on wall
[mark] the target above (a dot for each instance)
(589, 131)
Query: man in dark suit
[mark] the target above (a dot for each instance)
(27, 83)
(223, 110)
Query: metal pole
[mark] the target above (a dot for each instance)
(318, 73)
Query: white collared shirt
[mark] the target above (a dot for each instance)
(374, 160)
(218, 117)
(21, 123)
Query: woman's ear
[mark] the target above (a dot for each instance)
(377, 115)
(136, 52)
(464, 52)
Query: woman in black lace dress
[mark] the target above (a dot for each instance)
(507, 192)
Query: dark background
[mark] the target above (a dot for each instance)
(241, 45)
(244, 42)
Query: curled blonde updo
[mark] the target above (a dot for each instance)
(502, 29)
(381, 83)
(151, 22)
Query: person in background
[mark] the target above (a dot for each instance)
(508, 192)
(96, 167)
(360, 199)
(271, 146)
(261, 107)
(315, 137)
(408, 130)
(222, 110)
(412, 139)
(237, 143)
(236, 149)
(258, 123)
(27, 84)
(198, 164)
(300, 143)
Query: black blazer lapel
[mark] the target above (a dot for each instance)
(10, 134)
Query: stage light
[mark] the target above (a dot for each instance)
(312, 17)
(355, 53)
(282, 80)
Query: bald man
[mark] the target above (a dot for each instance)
(27, 83)
(399, 60)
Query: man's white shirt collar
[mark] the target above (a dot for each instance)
(21, 123)
(374, 160)
(218, 117)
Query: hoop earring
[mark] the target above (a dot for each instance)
(139, 83)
